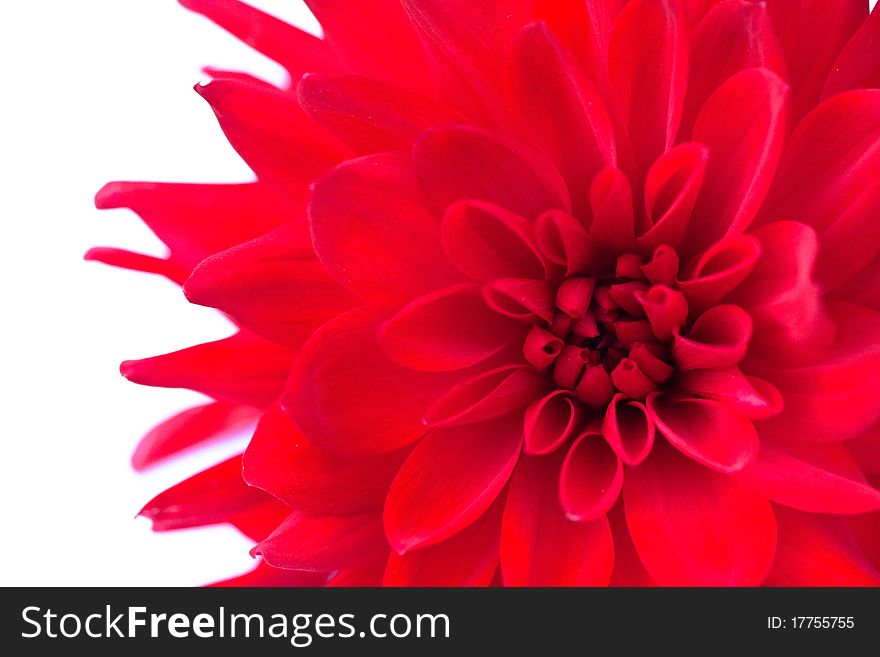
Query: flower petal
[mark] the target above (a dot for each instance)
(828, 181)
(347, 396)
(628, 429)
(858, 64)
(449, 480)
(263, 575)
(590, 479)
(814, 551)
(539, 545)
(280, 461)
(731, 387)
(817, 479)
(272, 286)
(372, 233)
(834, 397)
(323, 543)
(611, 198)
(443, 565)
(707, 431)
(487, 242)
(561, 110)
(459, 163)
(719, 338)
(695, 527)
(449, 329)
(194, 426)
(718, 270)
(369, 115)
(743, 124)
(550, 422)
(565, 242)
(241, 369)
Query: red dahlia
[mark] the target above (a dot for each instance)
(537, 292)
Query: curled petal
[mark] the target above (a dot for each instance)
(667, 310)
(520, 298)
(487, 242)
(612, 203)
(493, 393)
(590, 479)
(730, 386)
(541, 347)
(695, 527)
(449, 329)
(663, 266)
(707, 431)
(449, 480)
(718, 270)
(628, 429)
(539, 545)
(718, 338)
(550, 422)
(565, 242)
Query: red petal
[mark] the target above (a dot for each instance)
(695, 527)
(648, 66)
(628, 568)
(789, 316)
(666, 309)
(368, 115)
(718, 338)
(323, 543)
(469, 163)
(828, 181)
(743, 124)
(834, 398)
(263, 576)
(449, 329)
(282, 462)
(351, 32)
(628, 429)
(671, 189)
(858, 64)
(449, 480)
(241, 369)
(125, 259)
(718, 270)
(272, 286)
(731, 387)
(270, 132)
(550, 422)
(188, 428)
(814, 551)
(384, 261)
(732, 37)
(611, 198)
(863, 290)
(196, 221)
(812, 33)
(709, 432)
(349, 398)
(470, 558)
(590, 479)
(520, 298)
(295, 50)
(539, 545)
(561, 110)
(565, 242)
(363, 575)
(213, 496)
(817, 479)
(487, 242)
(493, 393)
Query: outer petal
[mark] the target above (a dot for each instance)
(835, 397)
(817, 479)
(469, 163)
(828, 181)
(539, 545)
(648, 65)
(743, 124)
(282, 462)
(814, 551)
(372, 233)
(323, 543)
(241, 369)
(858, 64)
(263, 576)
(470, 558)
(272, 286)
(449, 480)
(692, 526)
(349, 398)
(561, 110)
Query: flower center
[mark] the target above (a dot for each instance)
(608, 332)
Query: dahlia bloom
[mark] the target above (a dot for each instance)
(537, 292)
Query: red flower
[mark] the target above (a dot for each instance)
(540, 292)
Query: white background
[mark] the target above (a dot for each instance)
(96, 90)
